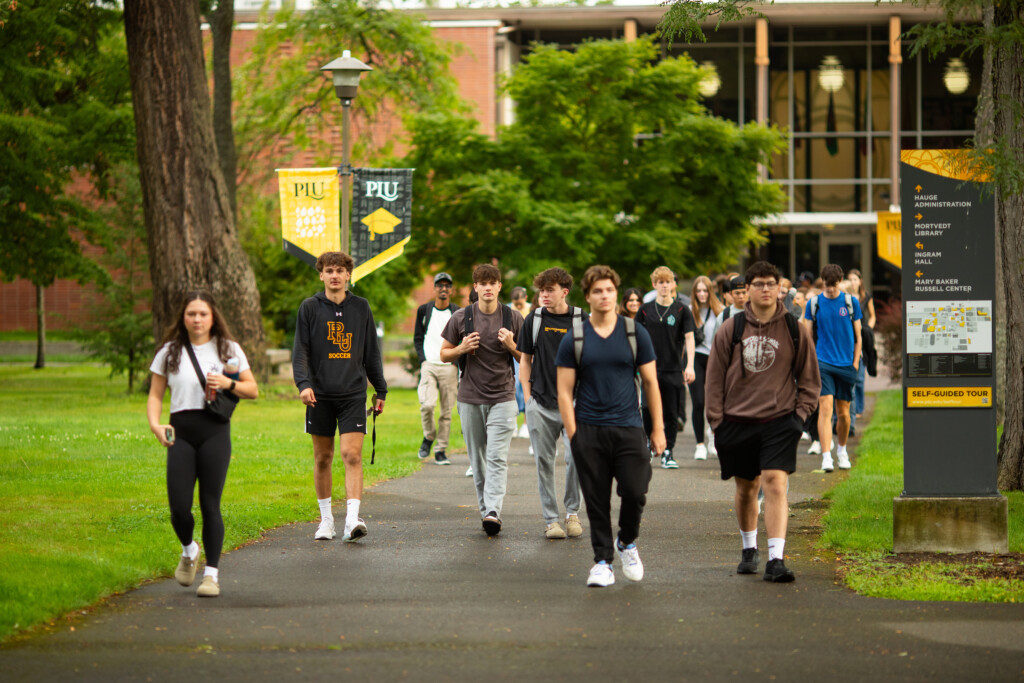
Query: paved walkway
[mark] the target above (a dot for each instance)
(428, 597)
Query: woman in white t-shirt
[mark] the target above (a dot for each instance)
(198, 444)
(705, 307)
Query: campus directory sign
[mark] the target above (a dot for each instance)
(949, 369)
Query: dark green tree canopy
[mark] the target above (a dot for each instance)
(612, 159)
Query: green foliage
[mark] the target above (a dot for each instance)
(64, 112)
(686, 18)
(95, 465)
(120, 328)
(569, 183)
(284, 105)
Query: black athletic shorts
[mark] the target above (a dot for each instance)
(326, 415)
(745, 449)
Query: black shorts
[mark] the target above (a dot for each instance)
(326, 415)
(745, 449)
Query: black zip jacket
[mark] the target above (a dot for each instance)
(336, 349)
(423, 314)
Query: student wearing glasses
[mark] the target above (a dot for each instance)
(758, 394)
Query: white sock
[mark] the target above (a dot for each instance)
(191, 551)
(325, 508)
(776, 546)
(353, 510)
(749, 538)
(840, 451)
(211, 571)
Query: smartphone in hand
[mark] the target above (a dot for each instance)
(169, 434)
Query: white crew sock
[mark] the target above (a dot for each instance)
(776, 547)
(212, 571)
(749, 538)
(353, 510)
(191, 551)
(840, 451)
(325, 508)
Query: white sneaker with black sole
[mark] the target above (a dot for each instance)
(601, 576)
(354, 530)
(843, 460)
(325, 532)
(815, 448)
(826, 462)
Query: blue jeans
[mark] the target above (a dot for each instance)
(520, 400)
(858, 390)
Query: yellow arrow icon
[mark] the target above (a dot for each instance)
(919, 245)
(918, 216)
(919, 273)
(918, 188)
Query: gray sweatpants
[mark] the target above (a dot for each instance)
(487, 431)
(545, 426)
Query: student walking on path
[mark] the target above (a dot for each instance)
(439, 381)
(762, 383)
(542, 333)
(336, 353)
(670, 326)
(196, 353)
(598, 364)
(705, 307)
(482, 339)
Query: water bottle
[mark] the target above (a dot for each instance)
(231, 369)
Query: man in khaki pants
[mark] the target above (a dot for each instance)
(438, 380)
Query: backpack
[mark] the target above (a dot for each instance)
(814, 313)
(577, 314)
(506, 322)
(737, 337)
(577, 346)
(867, 338)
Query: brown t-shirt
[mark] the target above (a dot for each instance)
(488, 378)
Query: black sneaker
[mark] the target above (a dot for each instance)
(748, 565)
(492, 525)
(668, 462)
(441, 459)
(425, 449)
(776, 572)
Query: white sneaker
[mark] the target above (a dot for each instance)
(701, 453)
(815, 448)
(524, 433)
(826, 462)
(843, 460)
(601, 575)
(354, 530)
(325, 531)
(711, 446)
(805, 437)
(632, 567)
(469, 472)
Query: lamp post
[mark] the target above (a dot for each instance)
(345, 71)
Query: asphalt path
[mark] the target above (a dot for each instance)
(426, 596)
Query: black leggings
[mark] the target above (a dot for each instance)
(700, 369)
(673, 406)
(201, 451)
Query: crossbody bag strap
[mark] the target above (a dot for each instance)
(195, 364)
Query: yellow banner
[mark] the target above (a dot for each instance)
(949, 397)
(310, 206)
(890, 242)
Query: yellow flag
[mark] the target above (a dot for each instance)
(310, 203)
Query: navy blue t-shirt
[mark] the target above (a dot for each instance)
(605, 390)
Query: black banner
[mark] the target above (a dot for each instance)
(381, 216)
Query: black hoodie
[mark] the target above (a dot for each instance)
(336, 349)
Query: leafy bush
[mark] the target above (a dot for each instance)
(889, 336)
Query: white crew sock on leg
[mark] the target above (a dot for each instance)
(212, 571)
(191, 551)
(776, 548)
(353, 510)
(325, 508)
(749, 538)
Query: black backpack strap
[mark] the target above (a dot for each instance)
(794, 333)
(467, 327)
(739, 322)
(506, 322)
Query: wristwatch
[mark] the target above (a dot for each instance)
(232, 387)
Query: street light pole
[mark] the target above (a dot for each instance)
(345, 72)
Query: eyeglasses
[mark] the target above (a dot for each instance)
(443, 285)
(764, 285)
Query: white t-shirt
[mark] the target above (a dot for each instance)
(186, 391)
(432, 337)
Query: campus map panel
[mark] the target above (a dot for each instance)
(949, 338)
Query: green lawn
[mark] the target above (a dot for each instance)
(83, 510)
(858, 525)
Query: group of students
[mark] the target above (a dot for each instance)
(608, 385)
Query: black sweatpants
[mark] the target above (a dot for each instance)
(673, 405)
(700, 369)
(601, 454)
(201, 452)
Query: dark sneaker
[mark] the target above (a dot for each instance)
(492, 525)
(668, 462)
(748, 565)
(441, 459)
(425, 449)
(776, 572)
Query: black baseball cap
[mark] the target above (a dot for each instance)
(737, 283)
(443, 277)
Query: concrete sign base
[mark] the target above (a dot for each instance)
(950, 525)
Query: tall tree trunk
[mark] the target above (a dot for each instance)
(1008, 96)
(40, 328)
(222, 23)
(189, 224)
